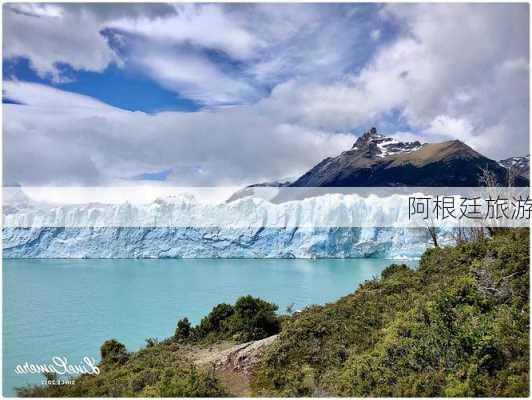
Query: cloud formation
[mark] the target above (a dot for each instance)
(300, 80)
(49, 35)
(77, 140)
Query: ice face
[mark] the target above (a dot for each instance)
(46, 242)
(183, 228)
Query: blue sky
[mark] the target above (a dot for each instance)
(124, 83)
(219, 94)
(118, 87)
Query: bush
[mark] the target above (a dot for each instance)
(394, 269)
(254, 319)
(183, 329)
(112, 351)
(150, 342)
(215, 321)
(157, 371)
(250, 318)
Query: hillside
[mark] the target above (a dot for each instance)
(458, 326)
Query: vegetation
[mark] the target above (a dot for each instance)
(249, 319)
(112, 351)
(458, 326)
(163, 369)
(159, 370)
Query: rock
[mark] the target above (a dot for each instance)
(378, 160)
(239, 358)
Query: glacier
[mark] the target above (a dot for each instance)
(335, 226)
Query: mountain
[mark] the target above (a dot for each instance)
(249, 191)
(377, 160)
(521, 165)
(14, 200)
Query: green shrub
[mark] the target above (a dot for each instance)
(250, 318)
(216, 321)
(113, 351)
(157, 371)
(394, 269)
(253, 319)
(183, 329)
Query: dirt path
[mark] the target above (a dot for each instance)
(233, 363)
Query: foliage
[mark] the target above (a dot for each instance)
(250, 318)
(215, 323)
(113, 351)
(183, 329)
(457, 326)
(150, 342)
(253, 319)
(161, 370)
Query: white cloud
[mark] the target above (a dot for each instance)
(471, 59)
(43, 97)
(201, 25)
(58, 143)
(38, 9)
(193, 76)
(248, 47)
(453, 63)
(50, 34)
(453, 71)
(444, 127)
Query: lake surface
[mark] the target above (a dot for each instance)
(68, 308)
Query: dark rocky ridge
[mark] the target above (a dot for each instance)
(521, 165)
(376, 160)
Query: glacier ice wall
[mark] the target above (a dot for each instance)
(164, 242)
(286, 230)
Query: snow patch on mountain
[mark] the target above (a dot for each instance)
(382, 146)
(516, 162)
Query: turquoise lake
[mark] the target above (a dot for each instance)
(68, 308)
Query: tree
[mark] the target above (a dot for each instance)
(113, 351)
(488, 179)
(215, 321)
(433, 231)
(254, 318)
(183, 329)
(290, 308)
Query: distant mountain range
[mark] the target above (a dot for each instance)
(376, 160)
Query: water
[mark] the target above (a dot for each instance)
(70, 307)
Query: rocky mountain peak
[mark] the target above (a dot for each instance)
(367, 138)
(516, 162)
(520, 165)
(374, 144)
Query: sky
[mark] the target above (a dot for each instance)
(233, 94)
